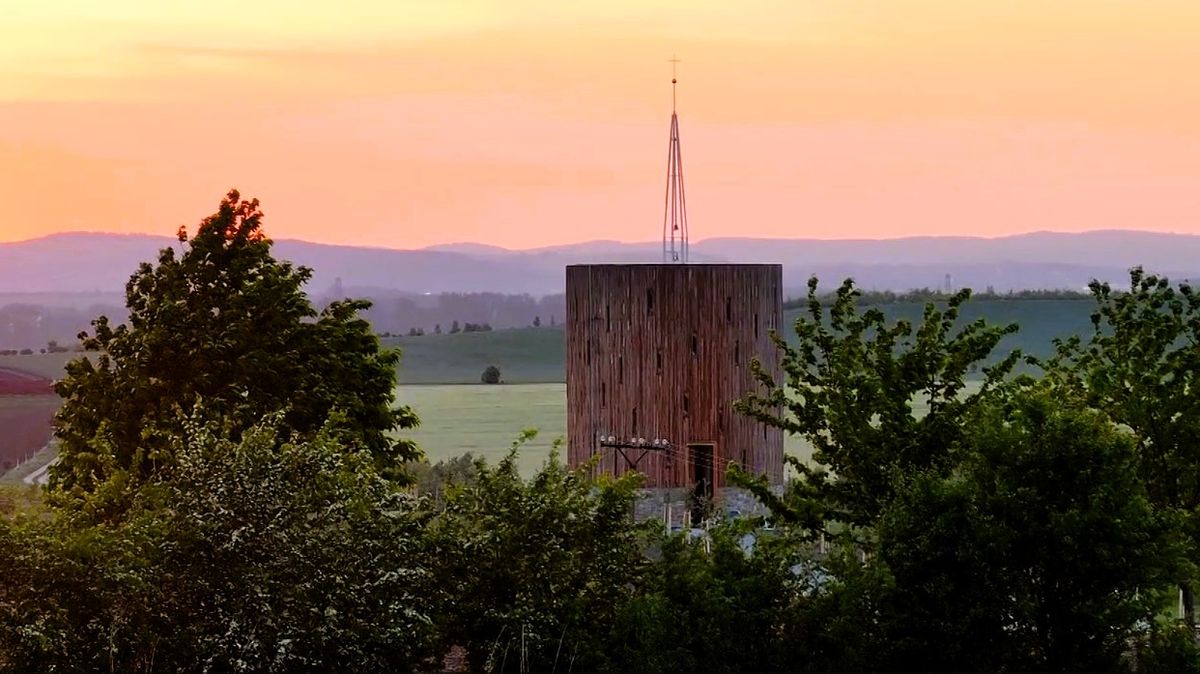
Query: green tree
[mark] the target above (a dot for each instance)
(854, 385)
(532, 571)
(225, 323)
(1141, 366)
(1006, 527)
(1040, 552)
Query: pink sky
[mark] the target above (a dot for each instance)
(405, 124)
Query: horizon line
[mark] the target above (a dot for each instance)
(436, 246)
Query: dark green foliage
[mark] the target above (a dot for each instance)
(708, 605)
(1039, 553)
(225, 324)
(491, 375)
(254, 555)
(532, 571)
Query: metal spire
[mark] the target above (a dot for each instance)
(675, 232)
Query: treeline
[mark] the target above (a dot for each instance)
(922, 295)
(400, 314)
(32, 326)
(51, 347)
(455, 329)
(259, 513)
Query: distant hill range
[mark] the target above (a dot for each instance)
(101, 263)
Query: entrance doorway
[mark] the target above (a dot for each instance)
(700, 458)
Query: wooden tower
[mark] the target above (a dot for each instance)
(656, 356)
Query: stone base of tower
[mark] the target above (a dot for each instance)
(676, 508)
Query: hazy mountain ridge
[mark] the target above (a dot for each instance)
(88, 263)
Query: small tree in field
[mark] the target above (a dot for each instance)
(491, 375)
(223, 324)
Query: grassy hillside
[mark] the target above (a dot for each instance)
(1041, 321)
(524, 356)
(535, 355)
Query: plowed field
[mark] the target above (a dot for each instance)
(16, 382)
(25, 426)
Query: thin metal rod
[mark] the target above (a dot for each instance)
(675, 226)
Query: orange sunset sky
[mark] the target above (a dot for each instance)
(520, 124)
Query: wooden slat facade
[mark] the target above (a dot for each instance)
(662, 351)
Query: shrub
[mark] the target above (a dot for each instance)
(491, 375)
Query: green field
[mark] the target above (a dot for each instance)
(524, 356)
(484, 420)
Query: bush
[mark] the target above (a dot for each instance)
(532, 571)
(491, 375)
(252, 555)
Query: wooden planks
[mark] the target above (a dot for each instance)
(662, 351)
